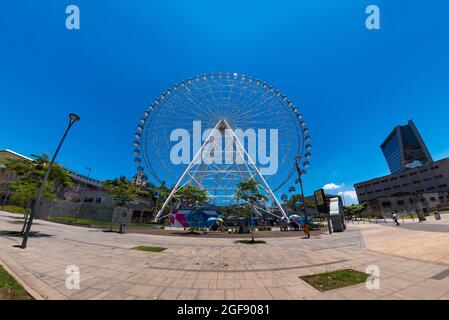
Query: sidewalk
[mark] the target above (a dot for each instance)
(202, 268)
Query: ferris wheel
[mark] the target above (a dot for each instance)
(257, 123)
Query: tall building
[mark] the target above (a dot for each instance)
(416, 182)
(405, 149)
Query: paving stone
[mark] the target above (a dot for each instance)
(193, 268)
(206, 294)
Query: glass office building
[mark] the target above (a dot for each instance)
(405, 149)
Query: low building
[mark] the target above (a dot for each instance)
(407, 204)
(84, 199)
(430, 178)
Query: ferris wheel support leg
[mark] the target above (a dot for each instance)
(251, 162)
(189, 167)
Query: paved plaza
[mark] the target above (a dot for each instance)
(413, 263)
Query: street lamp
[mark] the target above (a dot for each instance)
(73, 118)
(299, 180)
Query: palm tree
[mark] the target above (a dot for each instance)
(249, 192)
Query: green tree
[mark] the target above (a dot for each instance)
(294, 199)
(249, 192)
(356, 209)
(30, 175)
(162, 192)
(122, 192)
(34, 171)
(192, 196)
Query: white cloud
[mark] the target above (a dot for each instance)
(332, 186)
(349, 196)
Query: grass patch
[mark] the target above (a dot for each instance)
(149, 249)
(336, 279)
(79, 222)
(250, 241)
(89, 222)
(13, 209)
(10, 289)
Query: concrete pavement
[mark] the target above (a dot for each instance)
(202, 268)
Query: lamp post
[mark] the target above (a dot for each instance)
(300, 173)
(73, 118)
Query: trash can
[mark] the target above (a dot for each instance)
(437, 215)
(421, 217)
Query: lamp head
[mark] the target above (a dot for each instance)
(74, 117)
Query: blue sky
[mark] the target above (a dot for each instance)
(353, 85)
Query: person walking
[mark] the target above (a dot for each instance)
(395, 217)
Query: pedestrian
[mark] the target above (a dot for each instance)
(395, 217)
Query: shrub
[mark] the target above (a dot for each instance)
(13, 209)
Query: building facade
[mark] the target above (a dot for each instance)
(84, 199)
(404, 148)
(430, 178)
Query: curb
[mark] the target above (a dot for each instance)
(36, 288)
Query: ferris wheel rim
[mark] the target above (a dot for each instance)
(141, 142)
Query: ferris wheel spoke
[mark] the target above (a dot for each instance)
(244, 103)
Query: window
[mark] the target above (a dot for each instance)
(401, 202)
(417, 181)
(433, 199)
(384, 181)
(99, 200)
(88, 199)
(431, 188)
(406, 184)
(396, 187)
(427, 179)
(424, 170)
(393, 179)
(439, 176)
(434, 168)
(387, 189)
(403, 176)
(443, 186)
(413, 173)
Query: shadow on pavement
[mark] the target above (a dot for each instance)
(35, 234)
